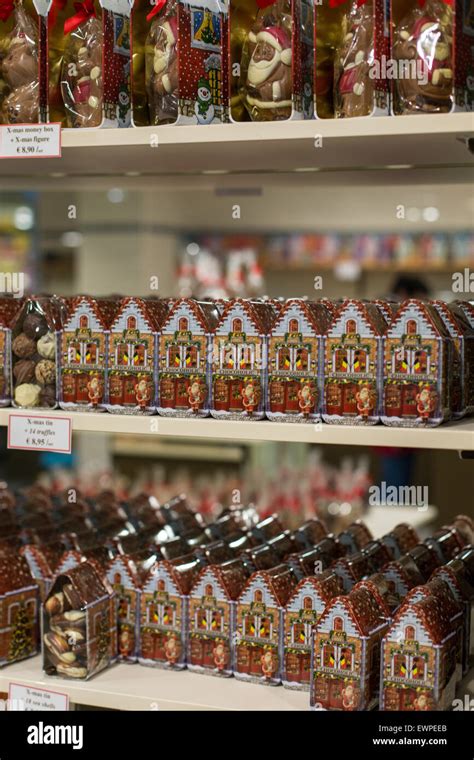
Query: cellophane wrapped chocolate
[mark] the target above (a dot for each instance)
(34, 344)
(422, 44)
(19, 69)
(161, 65)
(353, 85)
(266, 67)
(81, 70)
(8, 307)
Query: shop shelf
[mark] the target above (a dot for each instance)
(422, 141)
(455, 436)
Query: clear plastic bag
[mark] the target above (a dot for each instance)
(19, 56)
(266, 75)
(353, 86)
(81, 74)
(423, 48)
(161, 66)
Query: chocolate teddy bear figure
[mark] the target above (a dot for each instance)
(268, 82)
(81, 75)
(353, 86)
(162, 70)
(20, 72)
(425, 40)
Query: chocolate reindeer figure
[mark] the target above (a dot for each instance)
(162, 70)
(353, 86)
(424, 39)
(268, 82)
(81, 73)
(20, 72)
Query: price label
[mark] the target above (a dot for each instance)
(38, 433)
(30, 698)
(30, 141)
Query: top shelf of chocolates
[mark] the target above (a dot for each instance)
(338, 97)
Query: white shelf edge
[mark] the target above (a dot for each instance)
(135, 687)
(454, 436)
(380, 126)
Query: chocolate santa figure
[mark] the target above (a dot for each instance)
(81, 71)
(268, 84)
(424, 39)
(20, 71)
(162, 68)
(353, 86)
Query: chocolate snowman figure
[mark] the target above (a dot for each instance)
(353, 87)
(425, 38)
(20, 72)
(81, 75)
(268, 82)
(162, 71)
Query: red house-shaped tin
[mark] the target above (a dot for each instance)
(352, 364)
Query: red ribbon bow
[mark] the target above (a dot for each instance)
(6, 7)
(157, 6)
(265, 3)
(56, 7)
(422, 3)
(85, 10)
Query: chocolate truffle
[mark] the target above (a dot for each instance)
(47, 396)
(24, 371)
(45, 372)
(34, 326)
(46, 346)
(27, 394)
(23, 347)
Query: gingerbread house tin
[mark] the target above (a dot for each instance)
(402, 575)
(211, 615)
(239, 359)
(123, 576)
(461, 357)
(259, 625)
(457, 578)
(302, 612)
(294, 353)
(353, 364)
(19, 609)
(351, 49)
(184, 370)
(415, 367)
(164, 612)
(83, 359)
(40, 567)
(271, 60)
(180, 71)
(132, 356)
(400, 539)
(418, 658)
(346, 652)
(79, 629)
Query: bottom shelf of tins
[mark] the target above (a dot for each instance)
(134, 687)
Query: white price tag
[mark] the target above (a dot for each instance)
(28, 698)
(30, 141)
(38, 433)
